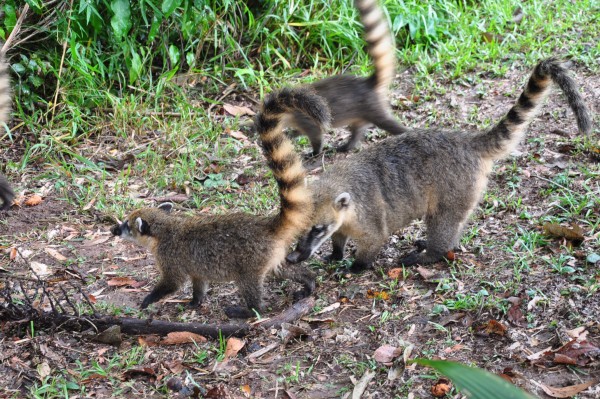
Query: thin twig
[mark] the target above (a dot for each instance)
(62, 61)
(15, 30)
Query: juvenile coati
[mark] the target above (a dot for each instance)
(236, 247)
(434, 174)
(357, 102)
(6, 193)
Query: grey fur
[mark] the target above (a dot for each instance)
(435, 175)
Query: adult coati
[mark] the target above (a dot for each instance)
(357, 102)
(237, 247)
(431, 174)
(6, 193)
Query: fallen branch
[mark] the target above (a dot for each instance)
(298, 310)
(133, 326)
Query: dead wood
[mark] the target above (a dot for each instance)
(298, 310)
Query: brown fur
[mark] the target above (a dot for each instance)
(354, 101)
(6, 193)
(237, 247)
(435, 175)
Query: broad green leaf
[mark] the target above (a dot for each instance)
(10, 15)
(168, 6)
(121, 21)
(36, 5)
(136, 66)
(174, 54)
(476, 383)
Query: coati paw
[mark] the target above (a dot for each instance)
(358, 267)
(421, 245)
(411, 259)
(299, 295)
(238, 312)
(333, 258)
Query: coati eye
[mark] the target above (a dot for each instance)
(318, 231)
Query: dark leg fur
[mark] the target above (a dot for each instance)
(6, 194)
(339, 244)
(251, 291)
(312, 131)
(199, 288)
(357, 132)
(162, 289)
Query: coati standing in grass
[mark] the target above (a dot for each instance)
(6, 193)
(434, 174)
(357, 102)
(236, 247)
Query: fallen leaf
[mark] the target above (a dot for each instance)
(33, 200)
(139, 372)
(43, 370)
(454, 348)
(494, 327)
(395, 273)
(96, 242)
(237, 110)
(386, 354)
(39, 268)
(518, 16)
(122, 281)
(236, 134)
(13, 253)
(566, 392)
(515, 315)
(233, 347)
(426, 273)
(148, 340)
(55, 254)
(361, 384)
(577, 350)
(218, 392)
(175, 366)
(381, 295)
(441, 387)
(246, 390)
(573, 234)
(329, 308)
(181, 337)
(591, 258)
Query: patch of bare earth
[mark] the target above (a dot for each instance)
(325, 354)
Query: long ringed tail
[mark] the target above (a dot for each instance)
(296, 199)
(6, 193)
(504, 137)
(380, 43)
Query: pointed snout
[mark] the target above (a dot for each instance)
(120, 229)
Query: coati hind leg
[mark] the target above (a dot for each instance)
(443, 233)
(251, 288)
(357, 132)
(313, 131)
(367, 250)
(199, 289)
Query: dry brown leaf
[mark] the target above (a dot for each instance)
(426, 273)
(182, 337)
(515, 315)
(139, 372)
(34, 200)
(13, 253)
(236, 134)
(148, 340)
(246, 390)
(566, 392)
(395, 273)
(495, 327)
(237, 110)
(218, 392)
(175, 366)
(92, 299)
(233, 347)
(441, 387)
(121, 282)
(386, 354)
(454, 348)
(573, 234)
(381, 295)
(55, 254)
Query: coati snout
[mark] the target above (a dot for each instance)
(331, 216)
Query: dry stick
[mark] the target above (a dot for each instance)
(62, 61)
(15, 30)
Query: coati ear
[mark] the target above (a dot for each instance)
(166, 206)
(142, 226)
(342, 201)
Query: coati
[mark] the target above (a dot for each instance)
(6, 193)
(357, 102)
(236, 247)
(432, 174)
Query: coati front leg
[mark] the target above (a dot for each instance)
(300, 275)
(366, 252)
(164, 287)
(338, 241)
(251, 291)
(357, 132)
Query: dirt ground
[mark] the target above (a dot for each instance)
(333, 349)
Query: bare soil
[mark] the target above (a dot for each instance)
(339, 345)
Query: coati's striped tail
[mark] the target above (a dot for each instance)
(380, 43)
(296, 199)
(6, 193)
(504, 137)
(5, 95)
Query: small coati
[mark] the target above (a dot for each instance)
(431, 174)
(6, 193)
(357, 102)
(237, 247)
